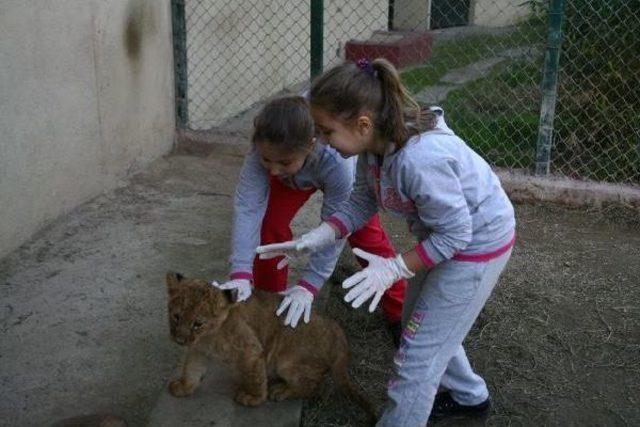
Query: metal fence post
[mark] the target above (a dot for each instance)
(390, 15)
(179, 27)
(317, 37)
(549, 88)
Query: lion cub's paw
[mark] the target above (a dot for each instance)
(279, 392)
(247, 399)
(179, 388)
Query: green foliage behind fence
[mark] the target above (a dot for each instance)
(598, 112)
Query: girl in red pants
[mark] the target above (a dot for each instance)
(284, 168)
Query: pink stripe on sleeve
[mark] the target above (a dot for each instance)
(424, 257)
(241, 275)
(341, 226)
(308, 286)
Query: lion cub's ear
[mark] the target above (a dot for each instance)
(230, 296)
(173, 280)
(223, 297)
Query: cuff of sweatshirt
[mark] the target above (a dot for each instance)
(235, 275)
(308, 286)
(341, 224)
(312, 278)
(428, 254)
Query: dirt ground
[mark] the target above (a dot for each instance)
(559, 340)
(83, 315)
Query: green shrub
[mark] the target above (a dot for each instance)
(597, 125)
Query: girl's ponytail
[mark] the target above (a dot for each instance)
(400, 115)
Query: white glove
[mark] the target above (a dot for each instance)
(241, 286)
(299, 301)
(320, 236)
(375, 279)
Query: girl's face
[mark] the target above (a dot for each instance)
(347, 140)
(281, 162)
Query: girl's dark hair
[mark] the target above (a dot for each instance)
(285, 122)
(348, 90)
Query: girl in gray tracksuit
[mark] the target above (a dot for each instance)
(284, 168)
(414, 166)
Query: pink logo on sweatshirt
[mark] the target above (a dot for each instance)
(393, 201)
(375, 171)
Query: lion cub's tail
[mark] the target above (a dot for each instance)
(340, 375)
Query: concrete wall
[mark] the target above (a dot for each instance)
(411, 14)
(416, 14)
(86, 90)
(243, 51)
(497, 13)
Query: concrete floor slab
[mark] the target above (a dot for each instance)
(83, 325)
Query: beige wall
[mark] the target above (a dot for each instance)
(411, 14)
(86, 96)
(497, 13)
(243, 51)
(348, 20)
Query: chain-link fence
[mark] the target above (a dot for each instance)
(513, 76)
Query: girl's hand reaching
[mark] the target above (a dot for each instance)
(298, 300)
(375, 279)
(241, 286)
(320, 236)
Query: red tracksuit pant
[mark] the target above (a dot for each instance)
(284, 202)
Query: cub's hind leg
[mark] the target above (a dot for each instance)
(299, 380)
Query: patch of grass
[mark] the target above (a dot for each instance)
(498, 115)
(597, 120)
(458, 53)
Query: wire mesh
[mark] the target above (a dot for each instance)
(597, 131)
(481, 60)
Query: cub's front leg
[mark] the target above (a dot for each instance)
(193, 369)
(252, 369)
(253, 389)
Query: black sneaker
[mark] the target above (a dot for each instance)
(444, 406)
(395, 329)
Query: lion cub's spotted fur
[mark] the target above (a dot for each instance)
(251, 337)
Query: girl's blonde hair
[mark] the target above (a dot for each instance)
(351, 89)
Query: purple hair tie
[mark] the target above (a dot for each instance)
(365, 65)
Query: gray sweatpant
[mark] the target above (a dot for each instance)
(440, 307)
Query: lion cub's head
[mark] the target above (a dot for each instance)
(196, 308)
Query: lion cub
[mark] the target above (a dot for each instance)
(250, 336)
